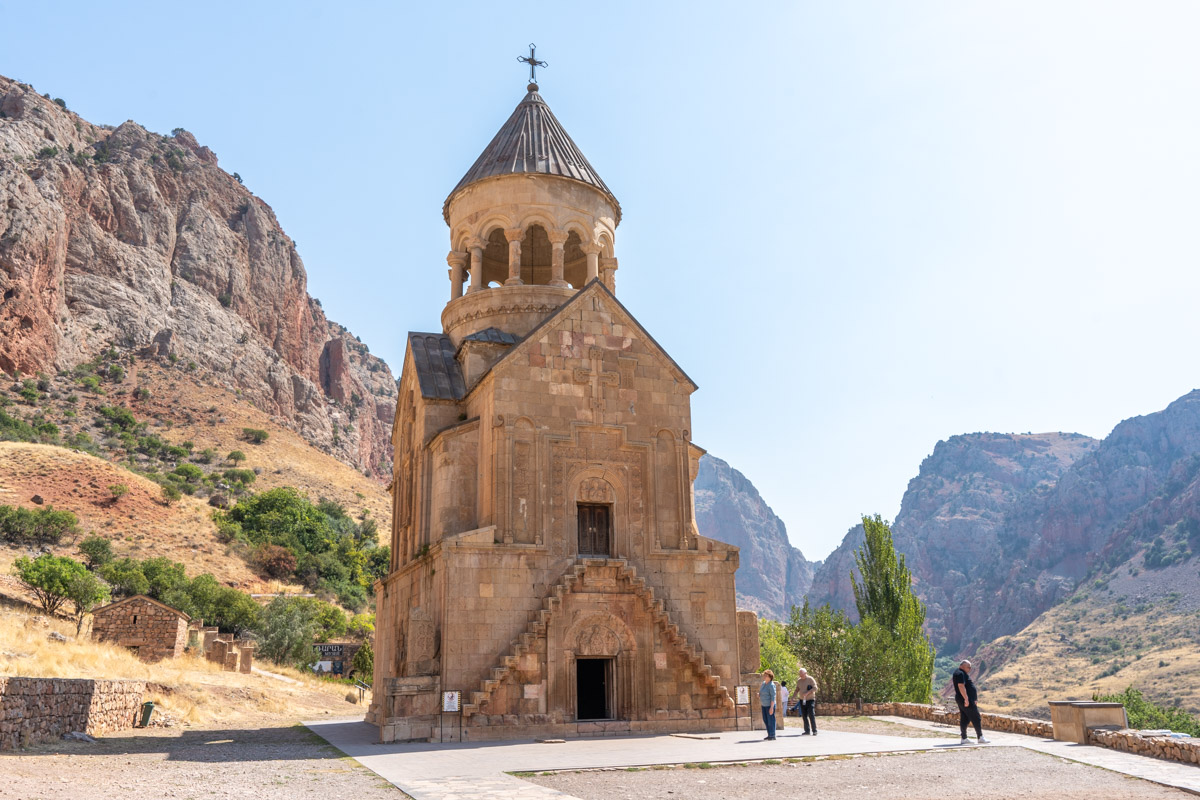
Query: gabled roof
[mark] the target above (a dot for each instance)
(438, 373)
(532, 141)
(128, 600)
(598, 286)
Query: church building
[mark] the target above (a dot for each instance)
(547, 576)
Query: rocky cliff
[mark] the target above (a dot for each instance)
(964, 527)
(119, 237)
(999, 528)
(772, 575)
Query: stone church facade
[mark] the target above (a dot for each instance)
(545, 558)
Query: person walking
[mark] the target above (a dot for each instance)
(766, 696)
(781, 719)
(806, 691)
(965, 695)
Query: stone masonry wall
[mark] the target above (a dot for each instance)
(36, 710)
(156, 631)
(1129, 741)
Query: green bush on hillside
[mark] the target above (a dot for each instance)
(1144, 715)
(334, 554)
(36, 526)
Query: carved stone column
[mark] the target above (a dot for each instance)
(609, 266)
(558, 243)
(475, 247)
(458, 262)
(514, 236)
(592, 251)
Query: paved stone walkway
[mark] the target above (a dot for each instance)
(475, 771)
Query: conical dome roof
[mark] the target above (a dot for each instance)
(532, 141)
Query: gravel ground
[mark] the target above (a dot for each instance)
(980, 773)
(875, 726)
(276, 762)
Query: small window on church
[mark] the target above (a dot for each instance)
(595, 529)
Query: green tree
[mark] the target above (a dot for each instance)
(236, 457)
(774, 653)
(97, 550)
(1145, 715)
(289, 628)
(49, 578)
(170, 494)
(125, 576)
(85, 591)
(883, 593)
(363, 663)
(255, 435)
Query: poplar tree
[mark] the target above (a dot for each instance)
(885, 597)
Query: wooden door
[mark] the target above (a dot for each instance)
(594, 530)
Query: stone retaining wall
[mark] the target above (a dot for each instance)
(1185, 750)
(1129, 741)
(36, 710)
(991, 722)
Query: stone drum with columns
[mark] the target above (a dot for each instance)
(545, 559)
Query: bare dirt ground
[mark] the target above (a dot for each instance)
(268, 759)
(980, 773)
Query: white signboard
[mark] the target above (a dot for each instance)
(743, 695)
(451, 701)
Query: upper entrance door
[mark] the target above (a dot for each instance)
(594, 530)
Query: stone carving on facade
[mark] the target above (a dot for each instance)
(597, 640)
(422, 655)
(595, 490)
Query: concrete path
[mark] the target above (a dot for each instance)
(1167, 773)
(475, 771)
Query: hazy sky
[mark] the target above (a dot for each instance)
(860, 227)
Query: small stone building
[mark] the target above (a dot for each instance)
(152, 630)
(546, 565)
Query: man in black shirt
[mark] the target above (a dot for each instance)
(964, 695)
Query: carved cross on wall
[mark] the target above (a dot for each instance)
(597, 377)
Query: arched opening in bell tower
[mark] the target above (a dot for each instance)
(574, 262)
(536, 253)
(495, 259)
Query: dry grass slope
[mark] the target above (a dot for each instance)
(189, 689)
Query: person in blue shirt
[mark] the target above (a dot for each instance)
(766, 696)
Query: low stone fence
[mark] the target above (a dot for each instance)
(1185, 750)
(36, 710)
(1129, 741)
(991, 722)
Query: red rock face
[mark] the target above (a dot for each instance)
(121, 237)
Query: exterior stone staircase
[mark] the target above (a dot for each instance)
(552, 603)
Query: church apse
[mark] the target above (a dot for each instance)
(546, 564)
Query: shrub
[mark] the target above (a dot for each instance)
(255, 435)
(118, 490)
(361, 626)
(97, 550)
(243, 476)
(15, 430)
(170, 494)
(274, 561)
(29, 392)
(47, 152)
(225, 299)
(205, 456)
(120, 417)
(189, 472)
(236, 457)
(40, 526)
(48, 577)
(1145, 715)
(363, 664)
(116, 373)
(91, 383)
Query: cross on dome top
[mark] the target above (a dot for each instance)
(533, 65)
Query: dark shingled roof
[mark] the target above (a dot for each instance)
(493, 335)
(532, 141)
(437, 370)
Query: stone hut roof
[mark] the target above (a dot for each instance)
(532, 141)
(128, 600)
